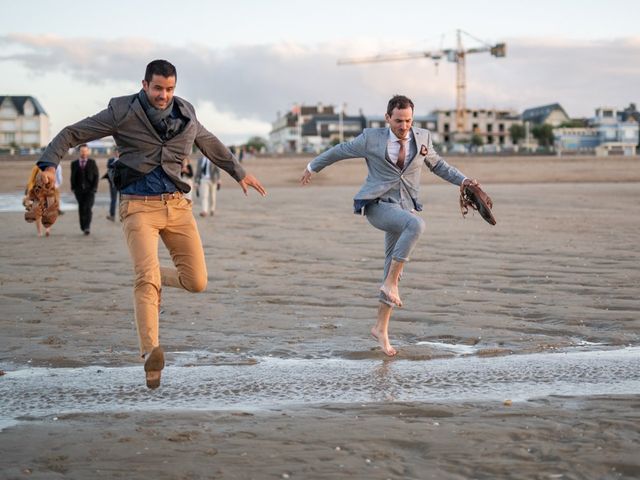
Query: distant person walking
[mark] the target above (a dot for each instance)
(186, 174)
(84, 184)
(113, 191)
(57, 184)
(207, 182)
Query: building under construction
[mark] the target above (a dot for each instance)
(461, 130)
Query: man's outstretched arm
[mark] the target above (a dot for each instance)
(91, 128)
(441, 168)
(219, 154)
(356, 148)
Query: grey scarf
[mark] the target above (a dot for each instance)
(167, 125)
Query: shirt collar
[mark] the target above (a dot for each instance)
(394, 138)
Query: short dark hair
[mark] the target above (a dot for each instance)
(160, 67)
(400, 102)
(82, 145)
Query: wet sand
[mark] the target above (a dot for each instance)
(294, 276)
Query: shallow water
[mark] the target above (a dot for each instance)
(12, 202)
(273, 383)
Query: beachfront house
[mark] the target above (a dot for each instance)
(313, 128)
(552, 114)
(609, 132)
(24, 124)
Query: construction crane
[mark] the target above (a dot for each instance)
(456, 56)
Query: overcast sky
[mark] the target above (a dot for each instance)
(241, 62)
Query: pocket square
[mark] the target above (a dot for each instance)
(423, 150)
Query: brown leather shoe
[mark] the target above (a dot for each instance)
(153, 367)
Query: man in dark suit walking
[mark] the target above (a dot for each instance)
(84, 183)
(113, 190)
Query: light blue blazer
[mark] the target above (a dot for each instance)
(384, 175)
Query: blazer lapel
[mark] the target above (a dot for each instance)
(383, 143)
(418, 140)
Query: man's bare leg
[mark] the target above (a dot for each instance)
(381, 329)
(390, 285)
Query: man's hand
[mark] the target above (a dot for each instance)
(469, 181)
(251, 181)
(306, 177)
(42, 202)
(46, 177)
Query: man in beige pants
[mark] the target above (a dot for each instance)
(154, 132)
(207, 181)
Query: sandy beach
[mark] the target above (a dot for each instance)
(293, 278)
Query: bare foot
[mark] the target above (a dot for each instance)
(383, 340)
(392, 294)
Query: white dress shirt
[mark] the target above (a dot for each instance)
(393, 147)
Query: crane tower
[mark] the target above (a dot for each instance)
(456, 55)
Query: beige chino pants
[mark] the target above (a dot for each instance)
(143, 222)
(208, 195)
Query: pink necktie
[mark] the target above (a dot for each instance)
(402, 154)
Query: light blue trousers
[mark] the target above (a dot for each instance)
(402, 230)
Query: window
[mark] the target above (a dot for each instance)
(31, 125)
(8, 126)
(446, 128)
(489, 127)
(28, 109)
(30, 138)
(501, 127)
(7, 110)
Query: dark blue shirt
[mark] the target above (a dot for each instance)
(153, 183)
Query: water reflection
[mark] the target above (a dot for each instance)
(275, 382)
(12, 202)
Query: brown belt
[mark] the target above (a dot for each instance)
(153, 198)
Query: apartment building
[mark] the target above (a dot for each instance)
(490, 125)
(23, 123)
(313, 128)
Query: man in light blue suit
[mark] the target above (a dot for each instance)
(389, 195)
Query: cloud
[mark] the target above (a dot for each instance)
(243, 87)
(235, 128)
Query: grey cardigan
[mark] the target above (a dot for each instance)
(141, 148)
(385, 176)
